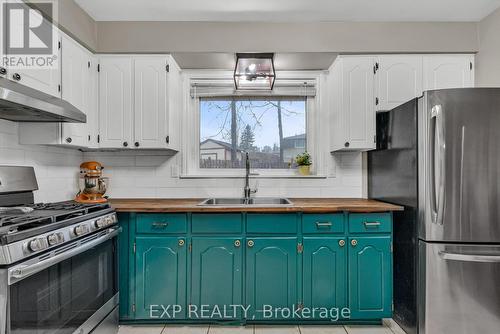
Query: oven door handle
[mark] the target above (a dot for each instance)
(23, 271)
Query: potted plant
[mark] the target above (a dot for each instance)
(304, 162)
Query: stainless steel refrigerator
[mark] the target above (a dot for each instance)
(439, 157)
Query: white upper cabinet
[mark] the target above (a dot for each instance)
(353, 103)
(448, 71)
(138, 102)
(398, 80)
(78, 81)
(115, 101)
(150, 107)
(46, 80)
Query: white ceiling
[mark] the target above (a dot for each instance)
(288, 10)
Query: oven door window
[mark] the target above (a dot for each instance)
(62, 297)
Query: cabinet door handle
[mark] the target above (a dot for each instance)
(3, 71)
(371, 224)
(323, 224)
(159, 225)
(354, 242)
(237, 243)
(69, 140)
(16, 76)
(181, 242)
(136, 144)
(342, 243)
(250, 243)
(346, 144)
(125, 144)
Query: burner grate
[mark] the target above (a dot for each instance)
(45, 215)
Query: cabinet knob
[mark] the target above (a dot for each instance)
(237, 243)
(16, 76)
(347, 144)
(3, 71)
(354, 242)
(181, 242)
(342, 243)
(125, 144)
(250, 243)
(69, 140)
(136, 144)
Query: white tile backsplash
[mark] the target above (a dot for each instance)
(137, 174)
(56, 168)
(134, 174)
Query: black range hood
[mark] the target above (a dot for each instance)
(20, 103)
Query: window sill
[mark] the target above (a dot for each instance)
(212, 176)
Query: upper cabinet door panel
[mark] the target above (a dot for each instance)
(358, 101)
(150, 102)
(399, 79)
(76, 88)
(448, 71)
(115, 102)
(45, 79)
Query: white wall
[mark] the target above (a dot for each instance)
(488, 58)
(344, 37)
(56, 169)
(139, 175)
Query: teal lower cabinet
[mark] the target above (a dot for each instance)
(267, 264)
(324, 274)
(216, 277)
(271, 275)
(370, 277)
(160, 277)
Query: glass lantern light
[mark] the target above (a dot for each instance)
(254, 71)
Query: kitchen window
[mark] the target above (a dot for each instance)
(221, 124)
(271, 129)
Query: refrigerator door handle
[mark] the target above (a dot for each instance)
(469, 257)
(437, 164)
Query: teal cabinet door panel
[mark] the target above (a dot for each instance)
(324, 272)
(225, 223)
(322, 223)
(216, 269)
(160, 276)
(272, 223)
(370, 277)
(161, 223)
(370, 222)
(271, 274)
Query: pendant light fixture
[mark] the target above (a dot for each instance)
(254, 71)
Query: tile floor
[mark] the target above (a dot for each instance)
(389, 327)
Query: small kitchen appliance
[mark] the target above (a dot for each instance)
(92, 183)
(58, 262)
(439, 156)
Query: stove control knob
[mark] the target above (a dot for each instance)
(100, 223)
(109, 220)
(81, 230)
(37, 245)
(55, 239)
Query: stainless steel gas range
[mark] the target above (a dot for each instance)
(58, 262)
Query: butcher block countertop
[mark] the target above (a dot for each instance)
(310, 205)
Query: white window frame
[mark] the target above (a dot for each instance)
(191, 130)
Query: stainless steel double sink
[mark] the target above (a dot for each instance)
(255, 201)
